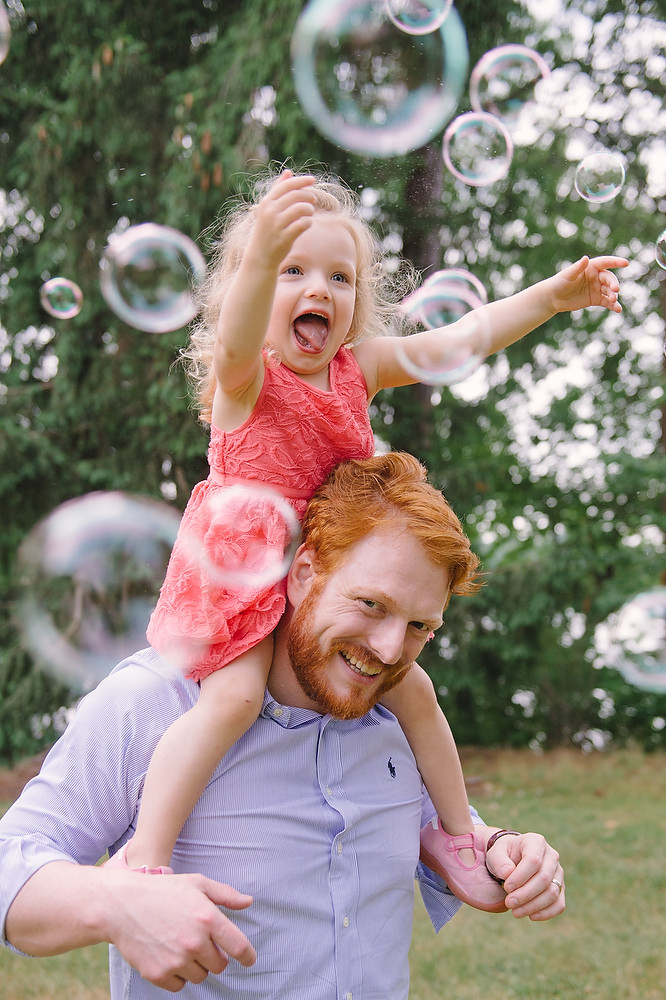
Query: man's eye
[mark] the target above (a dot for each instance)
(373, 605)
(420, 626)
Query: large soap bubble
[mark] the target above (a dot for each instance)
(477, 148)
(633, 641)
(148, 275)
(249, 539)
(599, 177)
(88, 578)
(61, 297)
(504, 82)
(418, 17)
(660, 250)
(370, 87)
(445, 297)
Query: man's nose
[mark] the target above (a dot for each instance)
(387, 641)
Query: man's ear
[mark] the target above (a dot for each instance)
(301, 575)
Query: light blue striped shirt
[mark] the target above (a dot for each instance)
(317, 818)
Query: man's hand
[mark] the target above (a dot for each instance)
(170, 929)
(532, 873)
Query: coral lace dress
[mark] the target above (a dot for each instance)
(293, 438)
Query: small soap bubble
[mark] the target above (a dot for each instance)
(5, 33)
(660, 250)
(249, 540)
(477, 148)
(148, 276)
(633, 641)
(599, 177)
(370, 87)
(88, 577)
(61, 298)
(418, 17)
(505, 82)
(459, 352)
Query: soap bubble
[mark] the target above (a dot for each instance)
(504, 82)
(418, 17)
(477, 148)
(458, 353)
(660, 250)
(61, 298)
(249, 539)
(370, 87)
(633, 641)
(88, 577)
(147, 276)
(445, 297)
(5, 33)
(599, 177)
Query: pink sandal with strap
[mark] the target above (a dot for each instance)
(473, 884)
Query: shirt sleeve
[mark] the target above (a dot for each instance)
(85, 797)
(440, 903)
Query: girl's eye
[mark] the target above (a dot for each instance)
(341, 277)
(292, 269)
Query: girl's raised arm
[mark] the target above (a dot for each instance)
(588, 282)
(281, 216)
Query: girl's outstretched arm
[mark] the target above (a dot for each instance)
(588, 282)
(280, 217)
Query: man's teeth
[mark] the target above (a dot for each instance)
(360, 667)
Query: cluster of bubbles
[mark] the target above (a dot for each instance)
(88, 575)
(633, 641)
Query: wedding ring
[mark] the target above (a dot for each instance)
(557, 883)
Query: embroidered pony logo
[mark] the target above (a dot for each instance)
(389, 764)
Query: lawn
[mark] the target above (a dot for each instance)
(606, 814)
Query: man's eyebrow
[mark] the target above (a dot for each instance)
(379, 595)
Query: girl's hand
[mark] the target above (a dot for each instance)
(588, 282)
(282, 215)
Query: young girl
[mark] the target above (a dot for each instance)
(292, 345)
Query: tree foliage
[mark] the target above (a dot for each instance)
(115, 114)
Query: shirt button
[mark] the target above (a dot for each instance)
(339, 848)
(329, 791)
(348, 996)
(345, 922)
(277, 712)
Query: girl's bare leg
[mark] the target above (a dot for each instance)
(190, 750)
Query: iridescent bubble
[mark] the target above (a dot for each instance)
(61, 298)
(457, 353)
(599, 177)
(660, 250)
(370, 87)
(633, 641)
(477, 148)
(250, 538)
(505, 80)
(445, 297)
(5, 33)
(88, 578)
(418, 17)
(148, 275)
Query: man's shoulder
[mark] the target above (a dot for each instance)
(145, 676)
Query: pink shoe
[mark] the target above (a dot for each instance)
(474, 886)
(119, 860)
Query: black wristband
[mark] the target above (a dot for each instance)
(491, 840)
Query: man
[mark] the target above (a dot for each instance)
(313, 816)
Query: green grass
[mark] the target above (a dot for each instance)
(606, 814)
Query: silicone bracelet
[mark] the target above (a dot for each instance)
(491, 840)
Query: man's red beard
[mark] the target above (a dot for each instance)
(310, 665)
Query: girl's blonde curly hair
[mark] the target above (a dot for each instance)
(376, 312)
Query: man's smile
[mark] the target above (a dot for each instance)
(359, 665)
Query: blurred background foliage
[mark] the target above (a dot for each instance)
(553, 455)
